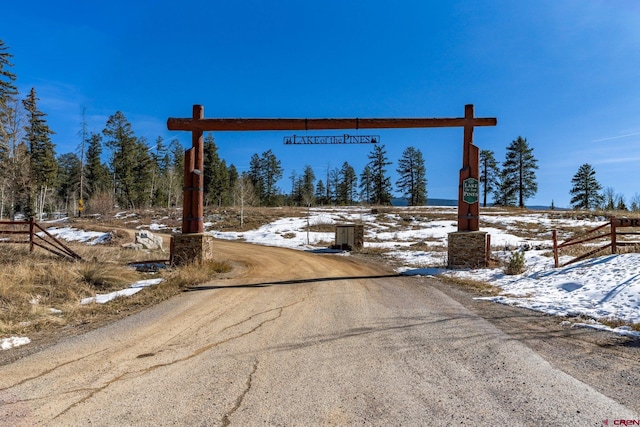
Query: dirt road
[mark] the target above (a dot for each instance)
(300, 339)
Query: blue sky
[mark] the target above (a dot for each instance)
(563, 74)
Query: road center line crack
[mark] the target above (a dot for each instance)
(226, 419)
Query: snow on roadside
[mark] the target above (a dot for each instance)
(71, 234)
(13, 342)
(131, 290)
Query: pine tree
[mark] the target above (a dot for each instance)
(43, 165)
(8, 92)
(175, 174)
(609, 197)
(520, 166)
(413, 180)
(124, 147)
(256, 175)
(216, 175)
(97, 173)
(621, 205)
(366, 184)
(307, 186)
(143, 174)
(585, 193)
(378, 162)
(264, 172)
(272, 173)
(489, 173)
(347, 185)
(321, 193)
(504, 193)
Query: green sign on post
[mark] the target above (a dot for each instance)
(470, 189)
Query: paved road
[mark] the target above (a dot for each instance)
(299, 339)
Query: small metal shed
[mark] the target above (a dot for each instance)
(349, 236)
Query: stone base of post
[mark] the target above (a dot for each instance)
(191, 248)
(468, 249)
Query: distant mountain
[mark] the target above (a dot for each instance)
(454, 202)
(430, 202)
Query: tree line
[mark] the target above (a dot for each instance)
(139, 174)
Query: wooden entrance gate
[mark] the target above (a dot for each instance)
(193, 206)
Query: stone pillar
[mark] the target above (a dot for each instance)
(191, 248)
(467, 249)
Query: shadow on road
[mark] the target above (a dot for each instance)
(290, 282)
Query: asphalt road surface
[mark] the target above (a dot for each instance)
(295, 338)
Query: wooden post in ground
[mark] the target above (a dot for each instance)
(468, 190)
(554, 234)
(614, 236)
(31, 227)
(193, 199)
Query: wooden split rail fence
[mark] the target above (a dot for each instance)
(31, 233)
(608, 232)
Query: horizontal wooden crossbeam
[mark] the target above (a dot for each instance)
(318, 124)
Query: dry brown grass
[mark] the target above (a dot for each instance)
(39, 291)
(475, 286)
(616, 323)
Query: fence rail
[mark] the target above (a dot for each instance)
(590, 236)
(35, 235)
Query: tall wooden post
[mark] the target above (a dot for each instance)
(468, 189)
(193, 198)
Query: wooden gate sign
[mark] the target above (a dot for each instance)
(470, 190)
(192, 217)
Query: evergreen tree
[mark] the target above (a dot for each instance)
(308, 185)
(413, 180)
(347, 185)
(233, 176)
(321, 193)
(272, 174)
(10, 163)
(143, 174)
(504, 193)
(216, 175)
(125, 153)
(43, 165)
(520, 166)
(378, 162)
(621, 205)
(175, 174)
(307, 182)
(489, 173)
(609, 198)
(8, 93)
(366, 184)
(264, 172)
(97, 173)
(256, 176)
(585, 193)
(159, 164)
